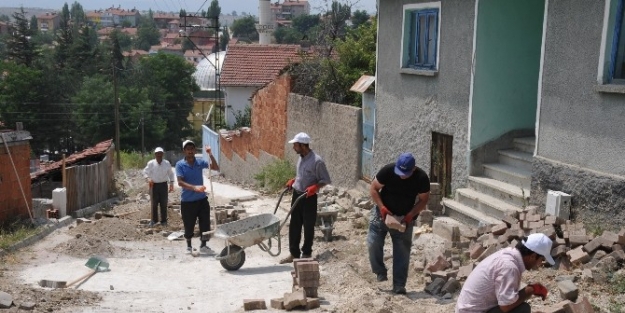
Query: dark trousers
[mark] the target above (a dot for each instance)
(195, 211)
(303, 215)
(522, 308)
(159, 196)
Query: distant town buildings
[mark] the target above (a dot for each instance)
(285, 11)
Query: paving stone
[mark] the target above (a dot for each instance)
(451, 286)
(464, 271)
(568, 290)
(608, 264)
(577, 240)
(594, 245)
(6, 300)
(563, 263)
(618, 255)
(439, 264)
(556, 308)
(582, 306)
(509, 220)
(254, 304)
(499, 229)
(435, 286)
(492, 249)
(617, 246)
(277, 303)
(559, 251)
(27, 306)
(294, 299)
(312, 303)
(599, 254)
(578, 255)
(446, 231)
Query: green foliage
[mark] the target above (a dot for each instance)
(617, 284)
(224, 39)
(359, 18)
(305, 22)
(19, 47)
(4, 18)
(244, 27)
(147, 33)
(287, 35)
(243, 118)
(214, 10)
(33, 24)
(133, 159)
(274, 176)
(126, 24)
(14, 232)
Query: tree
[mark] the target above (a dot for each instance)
(4, 18)
(287, 35)
(19, 46)
(244, 27)
(78, 17)
(234, 13)
(147, 33)
(64, 38)
(126, 24)
(359, 18)
(224, 39)
(33, 24)
(305, 22)
(214, 10)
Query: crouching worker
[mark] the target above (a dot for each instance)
(494, 285)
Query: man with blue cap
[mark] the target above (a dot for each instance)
(401, 191)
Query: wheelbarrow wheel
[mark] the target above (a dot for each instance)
(234, 260)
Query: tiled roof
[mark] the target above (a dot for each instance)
(256, 65)
(98, 149)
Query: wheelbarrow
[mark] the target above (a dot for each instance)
(325, 221)
(261, 230)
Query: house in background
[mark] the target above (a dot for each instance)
(502, 100)
(48, 21)
(247, 68)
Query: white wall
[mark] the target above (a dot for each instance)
(237, 98)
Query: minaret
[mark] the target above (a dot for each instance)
(264, 26)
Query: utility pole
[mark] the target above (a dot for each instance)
(142, 136)
(116, 118)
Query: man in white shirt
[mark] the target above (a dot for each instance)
(158, 173)
(494, 285)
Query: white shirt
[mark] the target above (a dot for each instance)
(495, 281)
(159, 173)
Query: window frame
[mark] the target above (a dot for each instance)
(409, 57)
(618, 25)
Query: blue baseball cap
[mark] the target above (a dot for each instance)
(404, 165)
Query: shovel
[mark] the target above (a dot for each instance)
(96, 264)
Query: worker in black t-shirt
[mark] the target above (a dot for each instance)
(400, 189)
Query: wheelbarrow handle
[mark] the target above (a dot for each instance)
(302, 196)
(280, 200)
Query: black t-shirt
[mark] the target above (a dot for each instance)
(400, 195)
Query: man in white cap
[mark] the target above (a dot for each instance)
(194, 204)
(311, 175)
(494, 285)
(158, 173)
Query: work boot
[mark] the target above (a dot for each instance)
(382, 277)
(152, 224)
(189, 249)
(288, 259)
(306, 256)
(207, 250)
(399, 290)
(163, 224)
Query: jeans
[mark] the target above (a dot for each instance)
(522, 308)
(401, 248)
(303, 215)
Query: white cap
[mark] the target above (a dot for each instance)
(301, 138)
(540, 244)
(187, 142)
(159, 149)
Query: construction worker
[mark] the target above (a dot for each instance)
(494, 285)
(311, 175)
(159, 173)
(194, 204)
(402, 190)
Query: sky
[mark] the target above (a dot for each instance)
(227, 6)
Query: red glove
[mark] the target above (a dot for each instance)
(408, 218)
(384, 212)
(311, 191)
(540, 290)
(290, 183)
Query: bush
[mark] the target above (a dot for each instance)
(15, 231)
(273, 176)
(133, 160)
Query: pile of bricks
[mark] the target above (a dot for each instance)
(303, 295)
(227, 213)
(52, 213)
(573, 247)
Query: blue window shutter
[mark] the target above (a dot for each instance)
(615, 41)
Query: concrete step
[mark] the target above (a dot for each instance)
(525, 144)
(503, 191)
(465, 214)
(508, 174)
(516, 158)
(484, 203)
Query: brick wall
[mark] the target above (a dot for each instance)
(265, 141)
(12, 203)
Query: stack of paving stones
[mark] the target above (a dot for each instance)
(227, 213)
(303, 295)
(593, 257)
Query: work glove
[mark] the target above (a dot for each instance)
(311, 191)
(540, 290)
(290, 183)
(384, 212)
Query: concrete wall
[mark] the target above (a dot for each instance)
(580, 137)
(243, 169)
(237, 99)
(509, 35)
(411, 107)
(336, 132)
(12, 204)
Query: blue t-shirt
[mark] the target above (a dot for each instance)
(191, 175)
